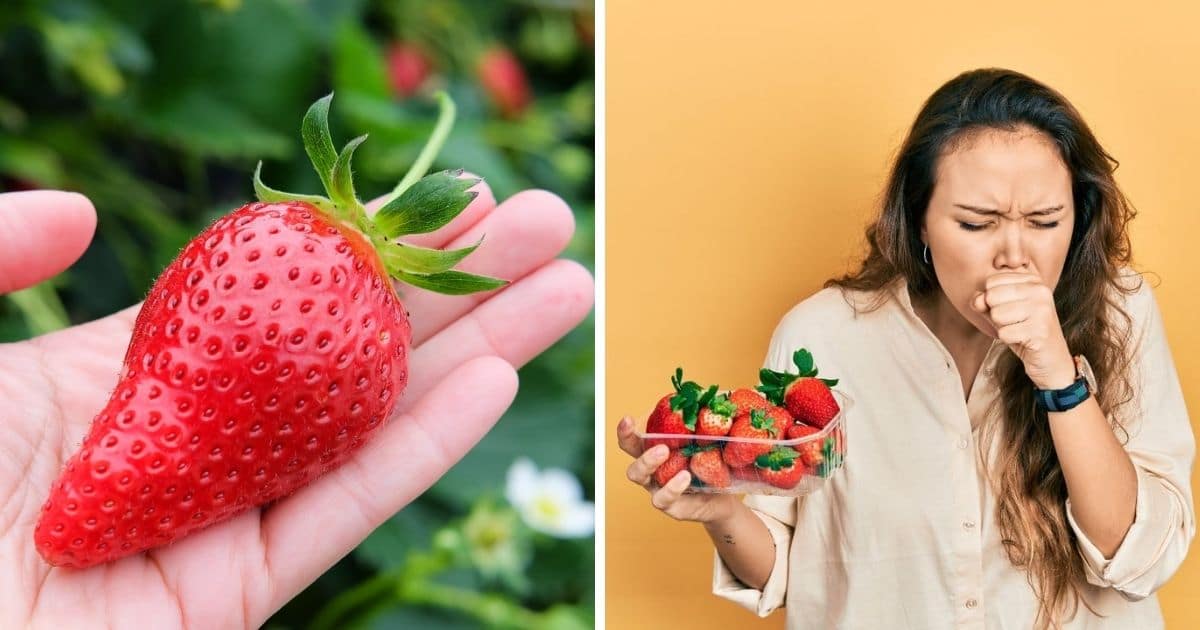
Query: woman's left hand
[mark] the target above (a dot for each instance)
(1021, 308)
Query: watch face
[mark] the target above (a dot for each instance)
(1085, 370)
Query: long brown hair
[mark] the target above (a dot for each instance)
(1027, 478)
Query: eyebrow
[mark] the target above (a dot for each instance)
(1043, 211)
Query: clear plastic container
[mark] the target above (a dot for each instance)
(830, 443)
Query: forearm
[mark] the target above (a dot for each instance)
(745, 544)
(1101, 479)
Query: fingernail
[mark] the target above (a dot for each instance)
(623, 424)
(660, 451)
(682, 479)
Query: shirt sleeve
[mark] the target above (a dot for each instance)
(777, 513)
(1162, 448)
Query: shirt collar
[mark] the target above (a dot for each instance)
(917, 325)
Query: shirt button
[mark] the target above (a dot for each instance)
(969, 524)
(963, 443)
(971, 603)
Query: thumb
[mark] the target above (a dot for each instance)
(42, 232)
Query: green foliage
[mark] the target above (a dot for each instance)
(159, 113)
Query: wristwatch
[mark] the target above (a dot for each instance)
(1073, 394)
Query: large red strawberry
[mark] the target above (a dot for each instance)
(716, 418)
(407, 67)
(504, 80)
(781, 467)
(677, 413)
(267, 353)
(808, 398)
(747, 399)
(707, 466)
(757, 425)
(675, 463)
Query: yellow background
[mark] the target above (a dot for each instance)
(747, 145)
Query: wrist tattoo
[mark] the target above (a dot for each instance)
(728, 539)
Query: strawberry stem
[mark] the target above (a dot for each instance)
(441, 130)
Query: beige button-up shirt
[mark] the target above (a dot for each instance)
(904, 536)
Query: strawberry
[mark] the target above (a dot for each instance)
(781, 467)
(504, 81)
(747, 399)
(716, 418)
(407, 68)
(707, 466)
(676, 414)
(805, 396)
(758, 425)
(745, 473)
(675, 463)
(269, 351)
(810, 451)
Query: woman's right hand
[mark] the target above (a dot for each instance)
(670, 499)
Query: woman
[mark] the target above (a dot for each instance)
(991, 479)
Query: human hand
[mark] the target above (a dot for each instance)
(1020, 307)
(238, 572)
(670, 499)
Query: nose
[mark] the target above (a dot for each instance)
(1013, 251)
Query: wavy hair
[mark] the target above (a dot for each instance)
(1026, 476)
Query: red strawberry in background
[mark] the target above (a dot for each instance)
(675, 463)
(758, 425)
(808, 398)
(504, 81)
(267, 353)
(781, 467)
(707, 466)
(748, 399)
(716, 418)
(745, 473)
(677, 414)
(810, 452)
(407, 67)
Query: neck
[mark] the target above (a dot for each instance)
(966, 343)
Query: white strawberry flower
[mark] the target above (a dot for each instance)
(550, 501)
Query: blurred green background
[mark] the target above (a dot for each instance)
(158, 112)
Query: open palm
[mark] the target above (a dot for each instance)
(238, 572)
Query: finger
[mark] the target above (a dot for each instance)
(666, 496)
(1005, 294)
(1010, 313)
(640, 470)
(627, 438)
(516, 325)
(525, 232)
(1011, 277)
(340, 509)
(42, 232)
(1014, 334)
(479, 207)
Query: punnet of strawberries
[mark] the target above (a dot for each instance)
(271, 349)
(766, 439)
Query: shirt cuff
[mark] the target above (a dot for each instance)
(772, 595)
(1155, 520)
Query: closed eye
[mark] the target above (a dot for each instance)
(975, 227)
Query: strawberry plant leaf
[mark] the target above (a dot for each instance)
(427, 205)
(270, 195)
(451, 282)
(422, 260)
(342, 191)
(317, 141)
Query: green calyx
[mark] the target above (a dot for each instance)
(722, 405)
(774, 384)
(419, 204)
(761, 421)
(689, 450)
(779, 458)
(689, 398)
